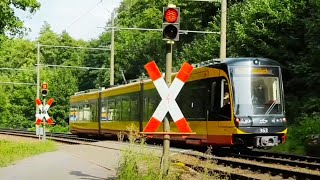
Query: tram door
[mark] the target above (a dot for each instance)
(224, 111)
(219, 111)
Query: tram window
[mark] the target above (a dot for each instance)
(145, 108)
(74, 113)
(110, 110)
(225, 99)
(193, 100)
(125, 109)
(134, 114)
(185, 101)
(80, 112)
(93, 111)
(86, 112)
(198, 97)
(152, 105)
(117, 115)
(213, 93)
(104, 110)
(224, 112)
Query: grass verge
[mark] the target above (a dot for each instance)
(13, 151)
(139, 162)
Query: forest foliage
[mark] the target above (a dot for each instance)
(287, 31)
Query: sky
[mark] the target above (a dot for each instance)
(80, 18)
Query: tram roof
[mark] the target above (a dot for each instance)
(251, 61)
(241, 61)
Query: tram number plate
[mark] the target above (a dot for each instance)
(263, 130)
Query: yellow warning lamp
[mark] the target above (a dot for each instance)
(44, 89)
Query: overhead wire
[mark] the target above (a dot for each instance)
(78, 18)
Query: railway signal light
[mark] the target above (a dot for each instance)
(44, 89)
(171, 23)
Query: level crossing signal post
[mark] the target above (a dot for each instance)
(42, 118)
(168, 92)
(171, 33)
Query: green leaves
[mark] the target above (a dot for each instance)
(9, 23)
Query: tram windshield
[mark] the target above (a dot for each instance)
(257, 91)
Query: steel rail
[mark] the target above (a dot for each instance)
(261, 168)
(286, 156)
(272, 160)
(63, 138)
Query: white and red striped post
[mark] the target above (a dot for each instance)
(168, 96)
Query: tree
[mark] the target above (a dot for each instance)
(9, 22)
(17, 107)
(96, 58)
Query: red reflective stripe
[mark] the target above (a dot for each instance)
(153, 70)
(50, 101)
(38, 102)
(49, 121)
(38, 121)
(183, 125)
(185, 72)
(152, 125)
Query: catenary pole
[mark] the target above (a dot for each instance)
(112, 51)
(223, 34)
(38, 75)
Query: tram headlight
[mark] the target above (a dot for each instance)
(243, 121)
(283, 120)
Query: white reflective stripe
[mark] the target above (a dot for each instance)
(47, 116)
(175, 112)
(161, 111)
(46, 107)
(40, 106)
(39, 116)
(161, 87)
(163, 108)
(176, 87)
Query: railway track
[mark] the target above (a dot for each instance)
(59, 137)
(222, 174)
(258, 162)
(287, 156)
(278, 160)
(257, 167)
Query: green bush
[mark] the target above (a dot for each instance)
(291, 145)
(54, 129)
(131, 167)
(59, 129)
(299, 135)
(307, 126)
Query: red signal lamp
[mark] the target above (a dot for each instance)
(171, 15)
(171, 23)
